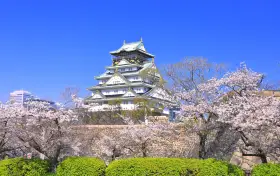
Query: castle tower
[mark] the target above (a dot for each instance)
(123, 81)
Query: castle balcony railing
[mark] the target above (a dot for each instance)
(126, 56)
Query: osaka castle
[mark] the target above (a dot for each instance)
(129, 77)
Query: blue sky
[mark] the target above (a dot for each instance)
(46, 46)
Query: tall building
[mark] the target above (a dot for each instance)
(125, 80)
(20, 97)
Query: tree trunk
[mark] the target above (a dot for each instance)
(247, 143)
(54, 163)
(116, 153)
(202, 147)
(113, 157)
(263, 158)
(54, 158)
(144, 149)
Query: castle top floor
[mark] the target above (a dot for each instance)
(134, 50)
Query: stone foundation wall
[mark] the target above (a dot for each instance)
(172, 142)
(245, 162)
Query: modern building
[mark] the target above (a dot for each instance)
(133, 74)
(20, 97)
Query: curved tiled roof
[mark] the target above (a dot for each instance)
(134, 46)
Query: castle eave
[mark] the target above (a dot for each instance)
(120, 85)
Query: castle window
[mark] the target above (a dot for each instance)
(116, 82)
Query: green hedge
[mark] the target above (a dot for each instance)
(171, 166)
(23, 167)
(86, 166)
(266, 169)
(81, 166)
(214, 167)
(146, 166)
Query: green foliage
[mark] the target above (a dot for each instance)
(116, 102)
(147, 166)
(171, 166)
(212, 167)
(266, 169)
(85, 166)
(81, 166)
(23, 167)
(144, 108)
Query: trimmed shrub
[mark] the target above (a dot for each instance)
(145, 166)
(212, 167)
(81, 166)
(171, 166)
(266, 169)
(23, 167)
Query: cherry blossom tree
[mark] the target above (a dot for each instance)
(8, 144)
(237, 100)
(41, 128)
(254, 115)
(139, 138)
(109, 145)
(69, 95)
(193, 84)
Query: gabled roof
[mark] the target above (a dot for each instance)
(123, 62)
(133, 46)
(130, 93)
(160, 93)
(120, 78)
(151, 65)
(97, 95)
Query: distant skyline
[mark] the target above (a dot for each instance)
(46, 46)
